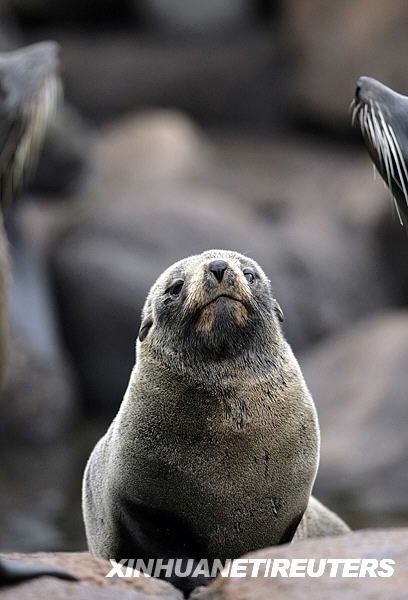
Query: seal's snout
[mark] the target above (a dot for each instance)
(218, 268)
(369, 90)
(364, 86)
(357, 91)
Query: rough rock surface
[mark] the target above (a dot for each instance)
(372, 544)
(375, 544)
(359, 381)
(37, 400)
(91, 585)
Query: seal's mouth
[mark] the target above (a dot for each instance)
(223, 297)
(383, 145)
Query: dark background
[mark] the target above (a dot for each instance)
(189, 125)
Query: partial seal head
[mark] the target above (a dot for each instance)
(29, 90)
(216, 302)
(383, 117)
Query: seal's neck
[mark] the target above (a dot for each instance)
(213, 375)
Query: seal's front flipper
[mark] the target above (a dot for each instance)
(319, 521)
(15, 571)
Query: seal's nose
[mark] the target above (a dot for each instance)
(361, 85)
(218, 268)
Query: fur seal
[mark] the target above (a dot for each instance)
(214, 450)
(383, 117)
(29, 90)
(29, 85)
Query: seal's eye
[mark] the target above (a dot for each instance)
(175, 288)
(249, 275)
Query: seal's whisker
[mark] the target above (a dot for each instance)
(401, 162)
(374, 133)
(389, 167)
(20, 151)
(381, 139)
(397, 210)
(355, 111)
(392, 154)
(370, 132)
(400, 180)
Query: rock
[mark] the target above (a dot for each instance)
(335, 44)
(288, 175)
(46, 11)
(159, 197)
(37, 399)
(376, 545)
(64, 158)
(91, 585)
(149, 148)
(40, 499)
(195, 17)
(359, 381)
(152, 71)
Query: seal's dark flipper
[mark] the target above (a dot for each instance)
(13, 571)
(290, 530)
(29, 90)
(382, 115)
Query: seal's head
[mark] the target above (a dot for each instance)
(29, 90)
(217, 303)
(383, 117)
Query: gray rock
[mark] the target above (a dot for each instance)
(195, 16)
(91, 585)
(359, 381)
(237, 79)
(375, 545)
(37, 401)
(64, 158)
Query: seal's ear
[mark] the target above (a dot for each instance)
(145, 327)
(278, 311)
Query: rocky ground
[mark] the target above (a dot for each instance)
(373, 544)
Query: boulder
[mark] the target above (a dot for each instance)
(236, 79)
(195, 17)
(149, 148)
(375, 545)
(91, 585)
(359, 381)
(64, 158)
(37, 402)
(289, 175)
